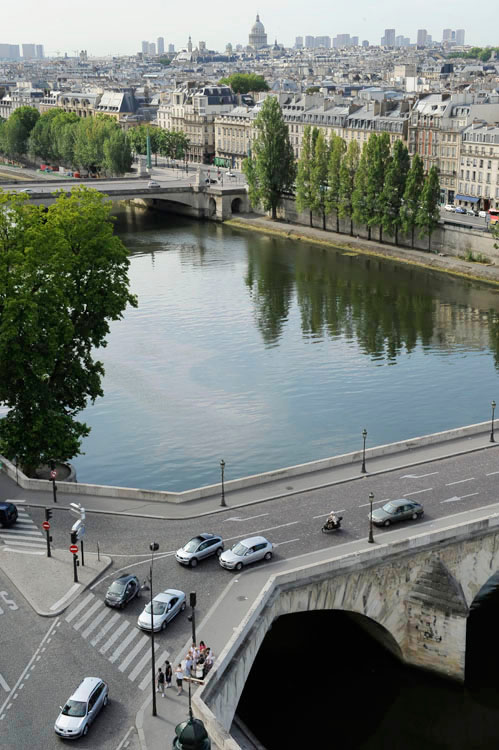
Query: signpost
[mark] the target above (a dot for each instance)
(73, 548)
(46, 527)
(78, 528)
(53, 474)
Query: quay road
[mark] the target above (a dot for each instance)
(45, 658)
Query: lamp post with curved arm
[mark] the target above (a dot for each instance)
(363, 469)
(492, 439)
(371, 537)
(223, 504)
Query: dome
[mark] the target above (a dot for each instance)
(258, 27)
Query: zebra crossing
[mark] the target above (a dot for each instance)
(116, 638)
(24, 535)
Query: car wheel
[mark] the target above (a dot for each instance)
(421, 514)
(239, 566)
(268, 556)
(387, 523)
(193, 562)
(219, 551)
(105, 701)
(163, 625)
(182, 607)
(85, 730)
(415, 516)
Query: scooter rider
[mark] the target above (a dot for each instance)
(332, 520)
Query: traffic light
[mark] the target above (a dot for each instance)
(192, 599)
(48, 514)
(74, 537)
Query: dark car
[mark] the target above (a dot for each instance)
(122, 590)
(460, 210)
(210, 180)
(201, 546)
(8, 514)
(397, 510)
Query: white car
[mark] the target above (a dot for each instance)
(230, 174)
(482, 214)
(153, 184)
(449, 207)
(165, 606)
(245, 552)
(81, 708)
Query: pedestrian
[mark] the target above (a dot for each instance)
(161, 682)
(179, 675)
(168, 674)
(188, 664)
(202, 646)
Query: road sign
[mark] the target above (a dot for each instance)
(46, 525)
(53, 474)
(73, 548)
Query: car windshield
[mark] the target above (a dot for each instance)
(239, 549)
(158, 608)
(74, 708)
(116, 588)
(192, 545)
(391, 507)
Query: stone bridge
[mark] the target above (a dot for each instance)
(413, 595)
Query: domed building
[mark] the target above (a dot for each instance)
(258, 37)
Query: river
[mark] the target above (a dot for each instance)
(269, 352)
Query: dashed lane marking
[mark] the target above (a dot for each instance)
(3, 684)
(418, 492)
(460, 481)
(455, 499)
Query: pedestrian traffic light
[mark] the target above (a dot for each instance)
(74, 537)
(192, 599)
(48, 514)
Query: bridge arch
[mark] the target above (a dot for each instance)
(236, 206)
(482, 647)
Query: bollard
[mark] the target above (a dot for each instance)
(98, 552)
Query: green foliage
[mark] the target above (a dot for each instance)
(359, 199)
(270, 170)
(336, 153)
(171, 143)
(320, 176)
(243, 83)
(63, 278)
(312, 90)
(412, 196)
(378, 155)
(393, 189)
(304, 192)
(475, 53)
(16, 131)
(348, 170)
(428, 214)
(472, 257)
(164, 61)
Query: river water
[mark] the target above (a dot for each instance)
(270, 352)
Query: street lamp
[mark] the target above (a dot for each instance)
(223, 504)
(363, 469)
(371, 538)
(492, 439)
(154, 547)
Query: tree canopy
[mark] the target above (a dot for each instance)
(63, 278)
(243, 83)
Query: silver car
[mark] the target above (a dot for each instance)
(199, 547)
(165, 606)
(397, 510)
(82, 708)
(245, 552)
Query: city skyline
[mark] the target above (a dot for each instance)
(27, 22)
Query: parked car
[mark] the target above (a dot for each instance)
(81, 708)
(471, 212)
(230, 174)
(122, 590)
(449, 207)
(482, 214)
(8, 513)
(153, 184)
(397, 510)
(26, 190)
(199, 547)
(460, 210)
(245, 552)
(165, 606)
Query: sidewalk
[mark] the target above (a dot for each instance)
(265, 487)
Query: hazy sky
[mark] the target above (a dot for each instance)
(119, 26)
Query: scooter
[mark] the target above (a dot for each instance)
(335, 526)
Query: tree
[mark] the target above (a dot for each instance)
(348, 169)
(412, 196)
(173, 143)
(243, 83)
(270, 170)
(378, 155)
(91, 136)
(304, 196)
(40, 141)
(17, 129)
(117, 154)
(63, 278)
(393, 189)
(429, 211)
(164, 61)
(360, 212)
(336, 153)
(320, 176)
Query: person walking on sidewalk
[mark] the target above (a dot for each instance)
(161, 682)
(179, 674)
(168, 674)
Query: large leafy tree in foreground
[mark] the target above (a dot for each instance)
(63, 278)
(270, 170)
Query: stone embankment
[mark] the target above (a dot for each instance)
(440, 262)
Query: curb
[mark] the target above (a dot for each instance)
(278, 496)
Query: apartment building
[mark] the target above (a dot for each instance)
(478, 183)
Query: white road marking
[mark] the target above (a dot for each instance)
(323, 515)
(250, 518)
(419, 476)
(287, 542)
(142, 662)
(28, 666)
(148, 678)
(3, 684)
(24, 551)
(96, 621)
(456, 498)
(460, 481)
(90, 611)
(113, 638)
(376, 502)
(125, 739)
(102, 632)
(133, 653)
(491, 473)
(80, 606)
(119, 650)
(66, 596)
(418, 492)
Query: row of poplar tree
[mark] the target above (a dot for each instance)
(378, 186)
